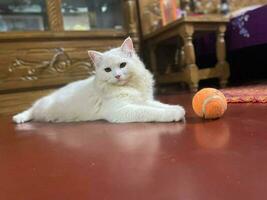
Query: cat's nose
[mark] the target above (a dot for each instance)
(117, 76)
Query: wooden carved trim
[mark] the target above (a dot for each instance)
(132, 22)
(131, 17)
(54, 15)
(59, 63)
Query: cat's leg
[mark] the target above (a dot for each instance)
(142, 113)
(23, 116)
(40, 111)
(158, 104)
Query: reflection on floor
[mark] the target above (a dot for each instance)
(221, 159)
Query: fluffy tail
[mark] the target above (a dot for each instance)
(23, 117)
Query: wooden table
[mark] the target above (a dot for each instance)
(185, 28)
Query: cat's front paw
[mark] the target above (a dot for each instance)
(177, 114)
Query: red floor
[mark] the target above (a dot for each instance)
(201, 160)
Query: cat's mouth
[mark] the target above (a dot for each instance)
(122, 81)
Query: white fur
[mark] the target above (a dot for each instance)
(103, 96)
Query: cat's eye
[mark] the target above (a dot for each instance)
(107, 69)
(123, 64)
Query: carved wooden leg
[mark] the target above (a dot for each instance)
(179, 57)
(182, 57)
(191, 69)
(132, 22)
(54, 15)
(222, 65)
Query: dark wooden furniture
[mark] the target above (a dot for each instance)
(33, 62)
(185, 28)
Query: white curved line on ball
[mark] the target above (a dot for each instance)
(207, 100)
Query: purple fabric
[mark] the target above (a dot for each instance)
(243, 31)
(248, 29)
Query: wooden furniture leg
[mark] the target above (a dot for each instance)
(191, 69)
(222, 65)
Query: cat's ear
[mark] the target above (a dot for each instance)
(127, 46)
(95, 56)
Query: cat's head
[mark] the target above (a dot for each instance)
(117, 65)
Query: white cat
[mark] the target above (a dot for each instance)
(120, 91)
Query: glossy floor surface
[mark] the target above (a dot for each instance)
(198, 160)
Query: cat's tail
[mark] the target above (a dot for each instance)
(23, 117)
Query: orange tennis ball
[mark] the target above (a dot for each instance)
(209, 103)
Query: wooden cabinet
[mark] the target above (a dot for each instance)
(44, 43)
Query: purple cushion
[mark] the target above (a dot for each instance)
(243, 31)
(248, 29)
